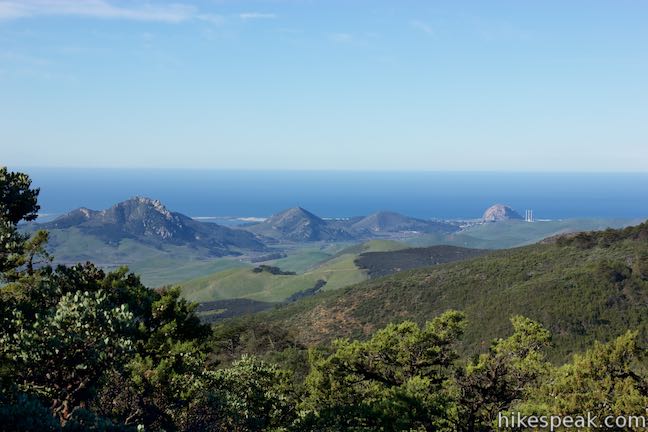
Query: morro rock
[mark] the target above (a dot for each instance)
(500, 212)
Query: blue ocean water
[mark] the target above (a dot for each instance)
(444, 195)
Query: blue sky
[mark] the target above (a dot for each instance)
(357, 85)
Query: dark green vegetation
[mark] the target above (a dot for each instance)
(583, 288)
(385, 263)
(85, 350)
(308, 292)
(268, 257)
(221, 309)
(272, 270)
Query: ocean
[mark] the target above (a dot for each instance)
(441, 195)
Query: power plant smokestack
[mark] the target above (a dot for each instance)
(528, 216)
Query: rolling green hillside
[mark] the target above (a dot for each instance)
(156, 266)
(592, 286)
(338, 271)
(373, 246)
(302, 257)
(244, 283)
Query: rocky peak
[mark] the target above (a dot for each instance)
(145, 204)
(292, 217)
(500, 212)
(86, 212)
(148, 220)
(298, 224)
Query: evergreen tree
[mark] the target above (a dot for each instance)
(505, 375)
(394, 381)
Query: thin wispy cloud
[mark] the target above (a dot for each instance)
(102, 9)
(341, 37)
(423, 27)
(246, 16)
(355, 39)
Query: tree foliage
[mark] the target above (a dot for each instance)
(492, 383)
(18, 202)
(394, 380)
(606, 380)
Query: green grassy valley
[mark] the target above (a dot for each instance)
(338, 270)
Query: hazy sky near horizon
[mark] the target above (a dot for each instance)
(306, 84)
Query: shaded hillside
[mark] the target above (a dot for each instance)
(379, 264)
(148, 221)
(298, 225)
(596, 288)
(213, 311)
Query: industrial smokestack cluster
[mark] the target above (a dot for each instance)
(529, 216)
